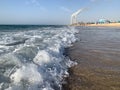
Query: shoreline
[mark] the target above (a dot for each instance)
(98, 67)
(105, 25)
(101, 25)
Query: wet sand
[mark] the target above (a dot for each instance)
(97, 53)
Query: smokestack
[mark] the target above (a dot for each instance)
(74, 16)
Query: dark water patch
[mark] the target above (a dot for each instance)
(4, 79)
(11, 28)
(17, 42)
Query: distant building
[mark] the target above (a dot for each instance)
(90, 23)
(102, 21)
(81, 23)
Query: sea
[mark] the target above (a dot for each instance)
(32, 56)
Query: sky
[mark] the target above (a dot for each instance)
(56, 12)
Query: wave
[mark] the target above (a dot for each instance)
(36, 63)
(16, 43)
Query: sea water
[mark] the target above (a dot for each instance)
(31, 57)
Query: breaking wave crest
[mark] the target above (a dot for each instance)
(34, 60)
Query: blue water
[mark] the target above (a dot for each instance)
(31, 56)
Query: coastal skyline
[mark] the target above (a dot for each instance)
(52, 12)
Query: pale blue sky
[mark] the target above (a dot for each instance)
(56, 11)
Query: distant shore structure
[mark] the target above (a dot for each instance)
(74, 16)
(99, 22)
(102, 21)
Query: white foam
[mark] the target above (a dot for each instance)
(8, 59)
(27, 75)
(42, 57)
(28, 72)
(47, 67)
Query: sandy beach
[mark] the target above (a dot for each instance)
(97, 53)
(105, 25)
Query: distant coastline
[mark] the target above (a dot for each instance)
(106, 25)
(100, 25)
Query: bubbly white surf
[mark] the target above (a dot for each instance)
(33, 59)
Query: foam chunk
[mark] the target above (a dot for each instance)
(42, 57)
